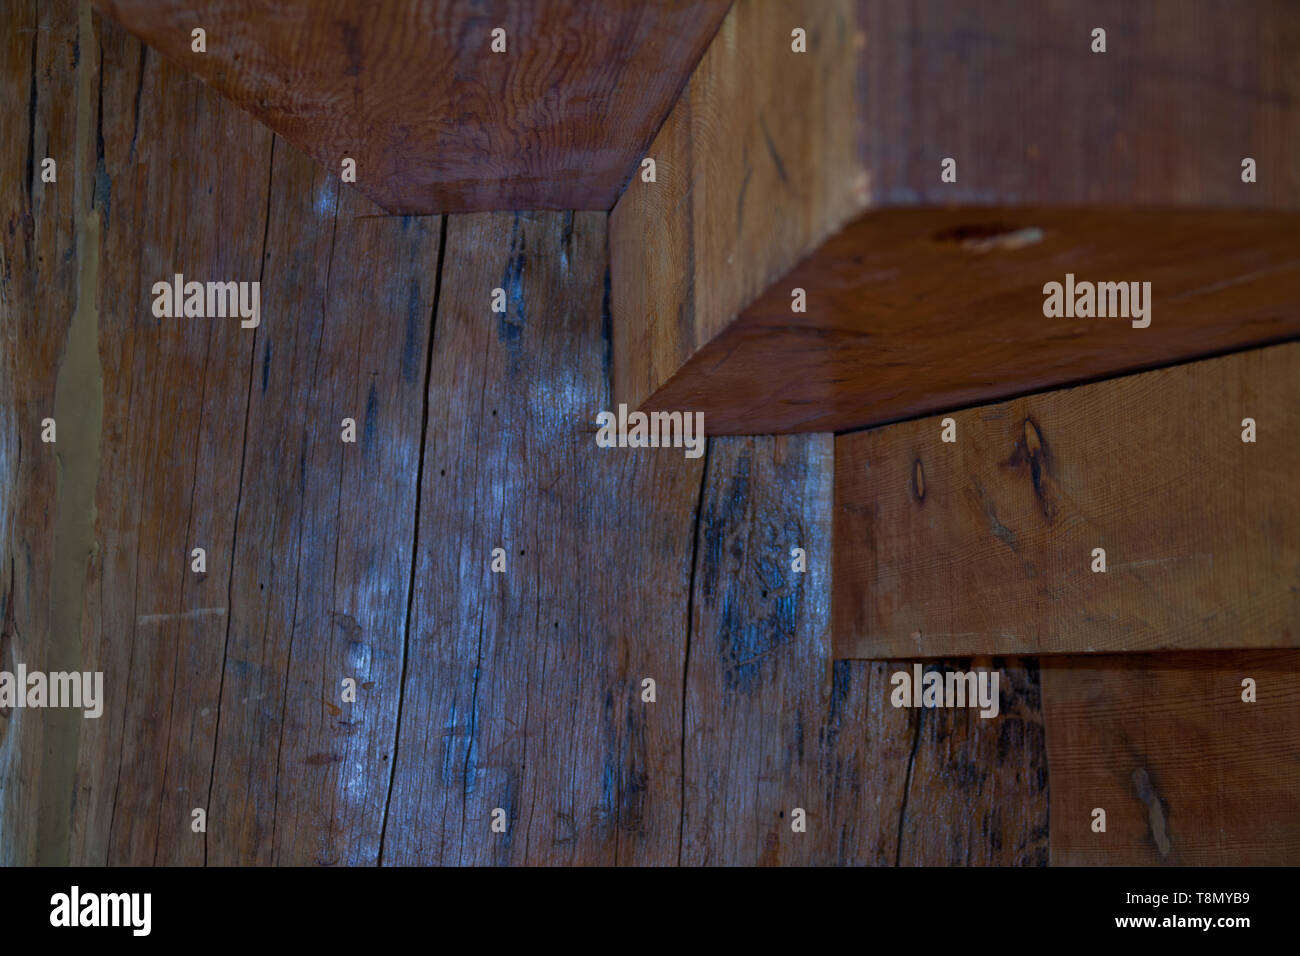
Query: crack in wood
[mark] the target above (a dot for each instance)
(686, 662)
(415, 532)
(239, 494)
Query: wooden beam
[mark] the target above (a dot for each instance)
(986, 544)
(1188, 772)
(435, 119)
(821, 171)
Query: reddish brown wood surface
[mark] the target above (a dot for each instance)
(923, 294)
(986, 543)
(755, 166)
(1189, 774)
(436, 121)
(916, 311)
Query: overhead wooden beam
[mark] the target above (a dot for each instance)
(436, 119)
(823, 171)
(986, 544)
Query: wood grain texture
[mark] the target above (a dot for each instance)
(923, 294)
(39, 282)
(756, 166)
(217, 436)
(755, 662)
(321, 553)
(911, 312)
(1188, 773)
(240, 665)
(1013, 91)
(522, 688)
(986, 543)
(768, 727)
(436, 121)
(175, 393)
(978, 788)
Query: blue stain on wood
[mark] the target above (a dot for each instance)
(513, 284)
(759, 603)
(411, 352)
(841, 681)
(372, 410)
(507, 803)
(610, 769)
(635, 780)
(450, 751)
(606, 337)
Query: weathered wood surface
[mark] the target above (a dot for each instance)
(238, 668)
(174, 394)
(763, 734)
(322, 553)
(222, 690)
(1188, 773)
(523, 689)
(519, 690)
(41, 277)
(436, 121)
(986, 544)
(1012, 89)
(1127, 163)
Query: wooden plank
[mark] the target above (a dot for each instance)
(167, 454)
(1013, 89)
(436, 121)
(755, 673)
(755, 167)
(523, 688)
(911, 312)
(766, 731)
(924, 294)
(174, 400)
(1188, 773)
(987, 543)
(43, 262)
(978, 787)
(322, 540)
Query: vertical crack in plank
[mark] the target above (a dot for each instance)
(180, 600)
(907, 787)
(139, 89)
(79, 406)
(302, 522)
(686, 662)
(239, 495)
(31, 111)
(415, 531)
